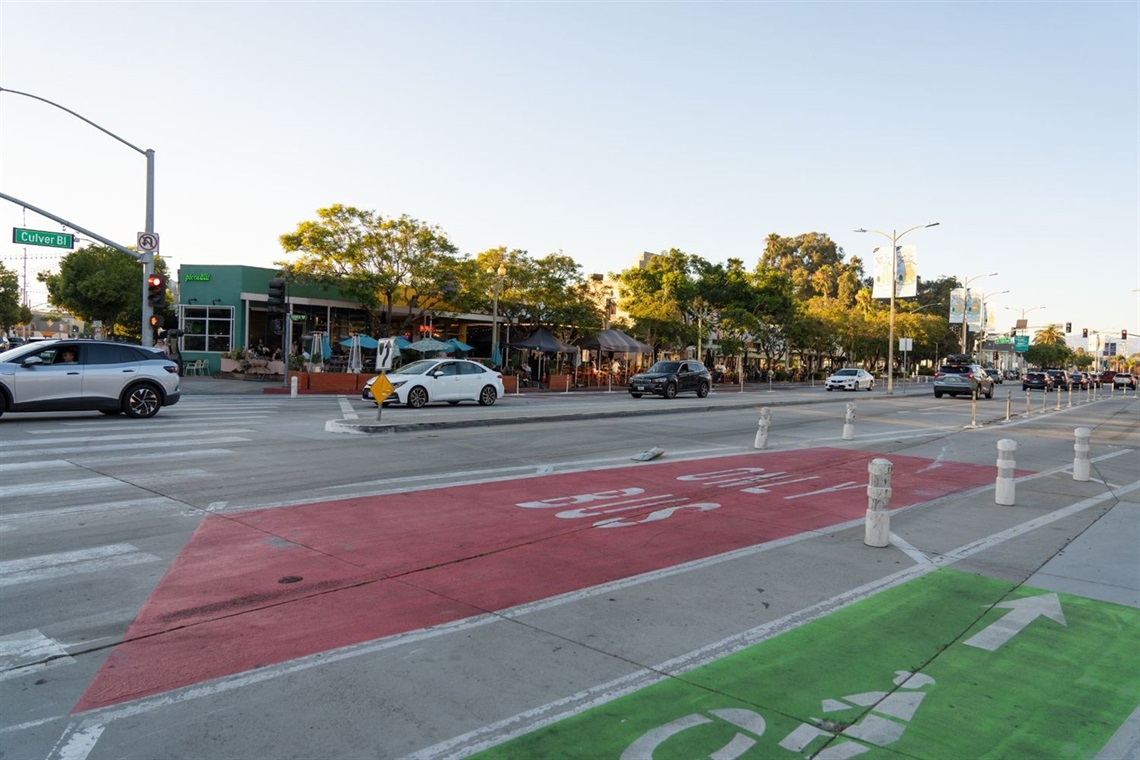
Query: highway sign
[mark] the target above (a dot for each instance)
(1021, 343)
(41, 237)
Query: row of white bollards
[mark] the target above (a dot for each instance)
(877, 527)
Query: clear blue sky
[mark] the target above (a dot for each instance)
(601, 130)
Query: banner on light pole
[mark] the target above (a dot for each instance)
(905, 272)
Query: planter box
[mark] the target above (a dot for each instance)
(231, 365)
(342, 382)
(302, 380)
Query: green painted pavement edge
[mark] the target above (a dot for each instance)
(1051, 690)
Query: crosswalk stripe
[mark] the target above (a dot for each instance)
(51, 488)
(126, 436)
(54, 514)
(26, 651)
(38, 451)
(45, 566)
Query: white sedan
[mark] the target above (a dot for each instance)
(850, 379)
(450, 380)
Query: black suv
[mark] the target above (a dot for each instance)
(1060, 379)
(668, 378)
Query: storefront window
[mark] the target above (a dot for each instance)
(207, 328)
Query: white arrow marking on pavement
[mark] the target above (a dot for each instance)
(1025, 611)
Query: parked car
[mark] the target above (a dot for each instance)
(1123, 380)
(1078, 380)
(430, 380)
(961, 379)
(1060, 379)
(1106, 378)
(850, 379)
(1036, 381)
(1011, 374)
(668, 378)
(78, 375)
(995, 375)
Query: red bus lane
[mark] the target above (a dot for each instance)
(262, 587)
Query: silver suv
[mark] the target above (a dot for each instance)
(78, 375)
(955, 378)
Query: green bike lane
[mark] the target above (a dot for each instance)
(947, 665)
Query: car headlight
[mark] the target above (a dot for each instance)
(398, 383)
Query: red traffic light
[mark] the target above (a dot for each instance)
(156, 291)
(155, 281)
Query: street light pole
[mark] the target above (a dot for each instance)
(147, 259)
(499, 275)
(982, 330)
(966, 305)
(894, 237)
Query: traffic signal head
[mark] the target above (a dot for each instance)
(1084, 332)
(156, 291)
(1068, 327)
(277, 295)
(1124, 335)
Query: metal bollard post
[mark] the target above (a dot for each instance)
(1081, 454)
(974, 409)
(1044, 401)
(1058, 400)
(877, 529)
(849, 422)
(1027, 400)
(1008, 404)
(762, 428)
(293, 387)
(1070, 395)
(1004, 488)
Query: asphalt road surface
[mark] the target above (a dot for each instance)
(259, 576)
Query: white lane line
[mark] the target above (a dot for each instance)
(919, 557)
(77, 744)
(16, 571)
(164, 456)
(346, 409)
(125, 436)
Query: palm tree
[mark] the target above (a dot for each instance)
(1052, 335)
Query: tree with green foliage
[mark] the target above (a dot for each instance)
(381, 262)
(659, 297)
(815, 265)
(101, 283)
(12, 311)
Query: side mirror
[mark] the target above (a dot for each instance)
(32, 361)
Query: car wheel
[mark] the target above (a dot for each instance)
(3, 404)
(990, 392)
(141, 401)
(829, 389)
(702, 390)
(417, 397)
(1024, 387)
(636, 395)
(111, 412)
(871, 387)
(487, 396)
(671, 390)
(937, 394)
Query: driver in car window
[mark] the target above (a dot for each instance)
(66, 356)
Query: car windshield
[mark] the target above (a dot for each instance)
(665, 367)
(847, 372)
(416, 368)
(22, 350)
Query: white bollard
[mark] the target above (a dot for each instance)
(877, 531)
(762, 428)
(1081, 454)
(849, 422)
(293, 387)
(1004, 489)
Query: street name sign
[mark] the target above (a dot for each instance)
(42, 237)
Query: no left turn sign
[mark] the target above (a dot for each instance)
(148, 242)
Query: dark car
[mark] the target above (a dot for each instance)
(995, 375)
(668, 378)
(1078, 380)
(1060, 379)
(962, 379)
(1036, 381)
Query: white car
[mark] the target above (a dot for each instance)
(450, 380)
(850, 379)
